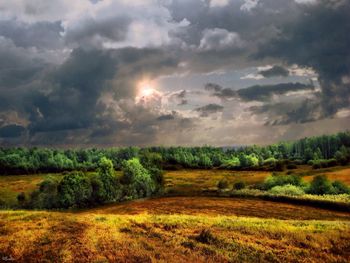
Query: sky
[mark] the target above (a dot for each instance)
(103, 73)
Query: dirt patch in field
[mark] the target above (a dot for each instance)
(220, 206)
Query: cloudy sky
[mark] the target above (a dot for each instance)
(172, 72)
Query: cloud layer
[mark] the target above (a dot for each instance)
(115, 72)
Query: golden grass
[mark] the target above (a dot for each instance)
(12, 185)
(89, 237)
(341, 175)
(195, 181)
(213, 206)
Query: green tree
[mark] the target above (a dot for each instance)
(137, 179)
(106, 187)
(74, 190)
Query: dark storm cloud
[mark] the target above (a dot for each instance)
(167, 117)
(39, 35)
(218, 91)
(209, 109)
(286, 113)
(265, 92)
(77, 84)
(275, 71)
(84, 77)
(12, 130)
(17, 65)
(71, 70)
(319, 38)
(112, 28)
(256, 92)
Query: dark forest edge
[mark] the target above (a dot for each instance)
(320, 152)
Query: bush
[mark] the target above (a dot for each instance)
(222, 184)
(21, 198)
(279, 166)
(74, 190)
(340, 188)
(279, 180)
(231, 163)
(239, 185)
(320, 185)
(292, 166)
(157, 176)
(323, 163)
(206, 237)
(287, 189)
(46, 196)
(270, 161)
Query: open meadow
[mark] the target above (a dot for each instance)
(178, 229)
(188, 227)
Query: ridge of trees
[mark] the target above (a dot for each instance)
(321, 151)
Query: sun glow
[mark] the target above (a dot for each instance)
(145, 89)
(146, 92)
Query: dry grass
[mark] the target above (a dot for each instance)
(197, 181)
(12, 185)
(175, 229)
(213, 206)
(89, 237)
(341, 175)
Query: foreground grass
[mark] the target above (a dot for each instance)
(28, 236)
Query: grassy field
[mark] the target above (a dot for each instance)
(12, 185)
(197, 181)
(177, 229)
(341, 175)
(193, 230)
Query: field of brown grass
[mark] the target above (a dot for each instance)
(197, 181)
(178, 229)
(12, 185)
(341, 175)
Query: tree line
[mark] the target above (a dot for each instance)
(321, 151)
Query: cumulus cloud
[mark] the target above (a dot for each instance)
(219, 39)
(257, 92)
(249, 5)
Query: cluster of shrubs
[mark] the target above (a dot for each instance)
(294, 185)
(323, 163)
(224, 184)
(78, 189)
